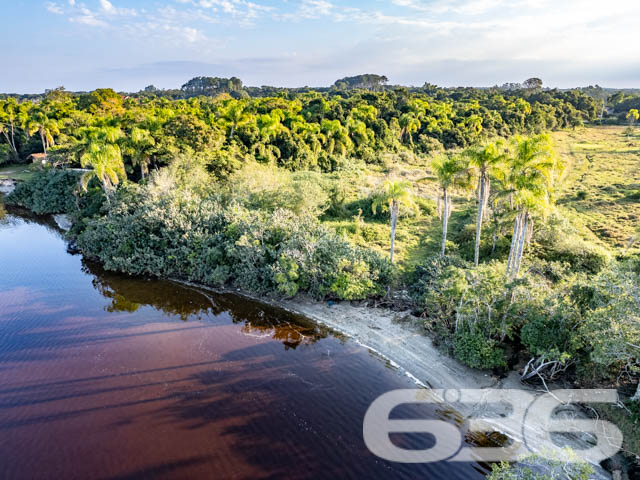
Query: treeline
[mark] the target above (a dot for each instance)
(311, 130)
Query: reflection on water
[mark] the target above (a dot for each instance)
(128, 294)
(108, 376)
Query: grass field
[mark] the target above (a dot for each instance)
(599, 189)
(602, 180)
(16, 172)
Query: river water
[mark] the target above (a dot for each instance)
(112, 377)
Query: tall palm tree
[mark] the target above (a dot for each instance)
(234, 115)
(105, 161)
(46, 127)
(141, 142)
(104, 158)
(394, 194)
(358, 131)
(270, 124)
(484, 160)
(453, 173)
(530, 187)
(410, 124)
(9, 110)
(337, 137)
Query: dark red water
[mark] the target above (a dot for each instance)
(109, 377)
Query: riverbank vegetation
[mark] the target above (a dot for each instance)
(515, 247)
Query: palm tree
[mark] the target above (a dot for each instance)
(270, 124)
(530, 186)
(394, 194)
(485, 161)
(234, 115)
(104, 158)
(106, 165)
(452, 172)
(141, 142)
(337, 136)
(45, 126)
(410, 124)
(9, 111)
(358, 131)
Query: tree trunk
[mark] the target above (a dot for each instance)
(103, 182)
(636, 397)
(521, 242)
(481, 203)
(106, 194)
(445, 220)
(44, 142)
(514, 241)
(13, 138)
(394, 223)
(11, 143)
(233, 129)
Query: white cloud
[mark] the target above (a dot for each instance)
(54, 8)
(88, 18)
(107, 6)
(400, 35)
(110, 9)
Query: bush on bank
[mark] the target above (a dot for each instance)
(48, 191)
(181, 234)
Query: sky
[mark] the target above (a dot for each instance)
(129, 44)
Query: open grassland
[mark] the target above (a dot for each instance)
(16, 172)
(602, 180)
(599, 190)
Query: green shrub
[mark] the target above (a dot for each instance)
(5, 153)
(49, 191)
(478, 351)
(610, 324)
(566, 466)
(582, 195)
(436, 287)
(179, 234)
(426, 205)
(559, 240)
(550, 332)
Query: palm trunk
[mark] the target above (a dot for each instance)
(514, 241)
(481, 204)
(445, 220)
(106, 194)
(521, 242)
(394, 223)
(144, 166)
(13, 139)
(44, 141)
(11, 142)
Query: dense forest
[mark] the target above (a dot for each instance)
(295, 130)
(291, 193)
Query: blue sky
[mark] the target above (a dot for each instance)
(128, 44)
